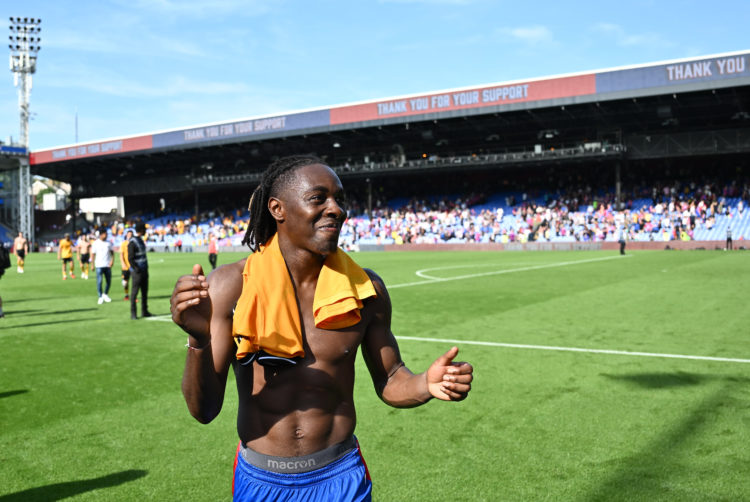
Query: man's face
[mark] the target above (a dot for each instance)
(103, 236)
(312, 209)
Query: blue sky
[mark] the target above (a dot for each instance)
(137, 66)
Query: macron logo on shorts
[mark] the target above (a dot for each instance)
(291, 466)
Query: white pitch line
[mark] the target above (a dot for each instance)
(498, 272)
(423, 273)
(575, 349)
(165, 317)
(545, 347)
(168, 318)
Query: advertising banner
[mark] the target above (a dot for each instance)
(91, 149)
(473, 98)
(243, 128)
(701, 70)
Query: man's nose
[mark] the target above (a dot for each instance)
(335, 209)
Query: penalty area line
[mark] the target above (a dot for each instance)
(433, 280)
(576, 349)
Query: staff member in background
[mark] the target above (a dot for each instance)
(124, 263)
(729, 239)
(103, 256)
(138, 271)
(65, 253)
(213, 250)
(622, 235)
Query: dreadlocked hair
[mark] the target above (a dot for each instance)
(262, 226)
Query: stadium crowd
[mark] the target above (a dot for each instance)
(670, 213)
(657, 213)
(653, 211)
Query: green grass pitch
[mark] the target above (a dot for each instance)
(91, 409)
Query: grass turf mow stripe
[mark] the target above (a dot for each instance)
(431, 279)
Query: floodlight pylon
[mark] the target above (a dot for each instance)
(24, 49)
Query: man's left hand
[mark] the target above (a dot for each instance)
(448, 380)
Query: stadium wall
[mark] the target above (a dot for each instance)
(557, 246)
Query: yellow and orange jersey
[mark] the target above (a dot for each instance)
(66, 248)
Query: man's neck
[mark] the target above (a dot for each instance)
(304, 266)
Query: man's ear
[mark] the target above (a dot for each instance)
(276, 208)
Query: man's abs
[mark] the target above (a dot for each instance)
(305, 411)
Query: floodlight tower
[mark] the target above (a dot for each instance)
(24, 47)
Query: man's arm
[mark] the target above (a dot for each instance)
(394, 382)
(207, 319)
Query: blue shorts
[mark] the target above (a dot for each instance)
(344, 479)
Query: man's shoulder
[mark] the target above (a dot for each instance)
(230, 269)
(225, 283)
(377, 281)
(380, 303)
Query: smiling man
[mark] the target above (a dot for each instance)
(289, 319)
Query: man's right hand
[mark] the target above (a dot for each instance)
(191, 306)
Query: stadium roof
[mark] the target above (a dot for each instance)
(668, 77)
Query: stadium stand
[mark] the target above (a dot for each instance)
(548, 165)
(681, 212)
(694, 216)
(6, 234)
